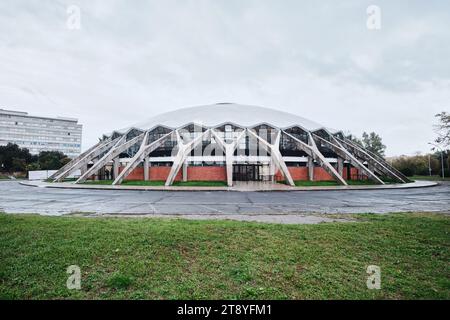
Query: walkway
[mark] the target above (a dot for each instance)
(283, 207)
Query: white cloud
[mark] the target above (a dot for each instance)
(132, 61)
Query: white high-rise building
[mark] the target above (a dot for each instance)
(41, 133)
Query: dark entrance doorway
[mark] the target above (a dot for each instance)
(246, 172)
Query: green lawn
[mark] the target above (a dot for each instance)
(362, 182)
(307, 183)
(101, 182)
(127, 182)
(201, 183)
(161, 183)
(183, 259)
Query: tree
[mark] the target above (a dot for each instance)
(65, 161)
(354, 138)
(33, 166)
(418, 164)
(373, 142)
(13, 158)
(52, 160)
(443, 129)
(18, 164)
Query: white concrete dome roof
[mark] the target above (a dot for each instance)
(217, 114)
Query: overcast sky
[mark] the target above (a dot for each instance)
(134, 59)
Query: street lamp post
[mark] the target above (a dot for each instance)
(442, 158)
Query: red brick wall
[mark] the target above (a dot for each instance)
(156, 174)
(299, 173)
(278, 176)
(207, 173)
(161, 174)
(217, 173)
(194, 174)
(136, 174)
(320, 174)
(344, 173)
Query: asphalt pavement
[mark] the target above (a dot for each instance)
(280, 207)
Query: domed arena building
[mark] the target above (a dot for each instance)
(228, 142)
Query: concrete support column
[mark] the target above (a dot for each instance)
(146, 169)
(83, 169)
(340, 166)
(116, 165)
(276, 156)
(185, 174)
(311, 168)
(229, 149)
(371, 167)
(272, 167)
(184, 151)
(95, 173)
(102, 173)
(272, 170)
(229, 153)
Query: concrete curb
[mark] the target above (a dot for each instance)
(65, 185)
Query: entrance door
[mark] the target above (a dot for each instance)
(246, 172)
